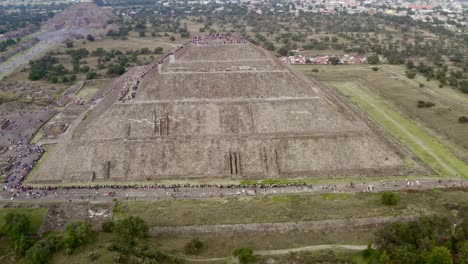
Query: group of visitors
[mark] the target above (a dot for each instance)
(218, 39)
(25, 158)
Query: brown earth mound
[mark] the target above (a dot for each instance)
(223, 112)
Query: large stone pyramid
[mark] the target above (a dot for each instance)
(227, 111)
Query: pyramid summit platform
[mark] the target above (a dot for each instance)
(221, 110)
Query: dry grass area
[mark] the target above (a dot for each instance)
(289, 208)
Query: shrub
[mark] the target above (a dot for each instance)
(158, 50)
(93, 256)
(193, 246)
(463, 119)
(410, 74)
(244, 255)
(440, 255)
(389, 198)
(77, 234)
(84, 69)
(90, 75)
(421, 85)
(423, 104)
(43, 249)
(375, 68)
(108, 226)
(373, 59)
(315, 70)
(16, 225)
(368, 252)
(129, 229)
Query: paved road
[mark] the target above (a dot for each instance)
(163, 193)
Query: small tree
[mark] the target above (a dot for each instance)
(16, 225)
(90, 37)
(463, 252)
(158, 50)
(440, 255)
(77, 234)
(244, 255)
(389, 198)
(85, 68)
(90, 75)
(373, 59)
(129, 229)
(108, 226)
(193, 246)
(43, 249)
(410, 74)
(463, 119)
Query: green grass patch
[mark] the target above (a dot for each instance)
(35, 215)
(336, 196)
(426, 147)
(37, 136)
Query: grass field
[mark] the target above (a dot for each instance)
(35, 215)
(427, 148)
(289, 208)
(402, 95)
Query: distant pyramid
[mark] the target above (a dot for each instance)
(222, 111)
(81, 19)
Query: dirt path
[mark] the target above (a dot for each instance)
(308, 248)
(282, 252)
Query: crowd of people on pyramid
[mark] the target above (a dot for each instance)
(219, 38)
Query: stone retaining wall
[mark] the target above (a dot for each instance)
(307, 226)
